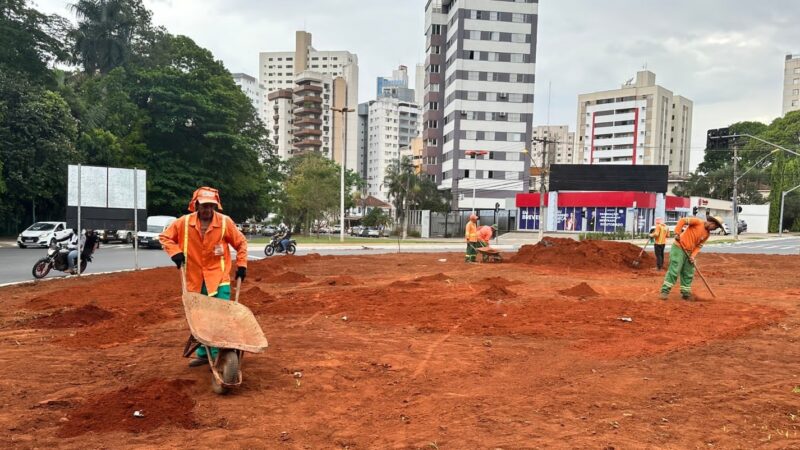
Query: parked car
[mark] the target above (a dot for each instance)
(155, 226)
(742, 226)
(357, 230)
(374, 232)
(41, 234)
(106, 236)
(336, 229)
(269, 230)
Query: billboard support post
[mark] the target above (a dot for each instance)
(79, 221)
(135, 220)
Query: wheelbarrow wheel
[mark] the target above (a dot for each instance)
(228, 368)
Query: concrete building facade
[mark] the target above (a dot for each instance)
(791, 84)
(640, 123)
(479, 85)
(336, 72)
(254, 91)
(392, 124)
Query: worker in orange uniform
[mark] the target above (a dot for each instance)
(659, 237)
(471, 235)
(687, 245)
(485, 235)
(200, 243)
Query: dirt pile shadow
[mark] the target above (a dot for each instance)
(159, 402)
(72, 318)
(561, 252)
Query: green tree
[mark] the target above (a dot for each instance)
(376, 217)
(29, 41)
(106, 32)
(311, 189)
(408, 190)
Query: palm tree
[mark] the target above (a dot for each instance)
(106, 30)
(401, 182)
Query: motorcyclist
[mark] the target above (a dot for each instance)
(285, 234)
(76, 242)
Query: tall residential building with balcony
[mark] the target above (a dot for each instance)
(337, 73)
(640, 123)
(791, 84)
(391, 125)
(254, 91)
(479, 84)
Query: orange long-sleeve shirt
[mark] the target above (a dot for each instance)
(471, 232)
(694, 236)
(208, 259)
(485, 233)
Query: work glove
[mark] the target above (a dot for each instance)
(241, 272)
(178, 259)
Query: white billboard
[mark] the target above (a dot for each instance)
(106, 187)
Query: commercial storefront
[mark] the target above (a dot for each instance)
(603, 212)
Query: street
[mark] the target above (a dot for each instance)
(772, 246)
(16, 264)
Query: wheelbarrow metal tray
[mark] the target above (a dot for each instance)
(488, 250)
(223, 324)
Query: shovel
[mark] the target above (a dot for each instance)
(638, 259)
(697, 269)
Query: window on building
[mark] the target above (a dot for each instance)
(492, 56)
(517, 17)
(495, 35)
(795, 91)
(489, 174)
(514, 137)
(472, 95)
(797, 70)
(475, 14)
(794, 102)
(436, 49)
(471, 135)
(433, 68)
(796, 81)
(518, 37)
(517, 57)
(491, 96)
(436, 29)
(494, 15)
(469, 54)
(488, 136)
(515, 98)
(474, 34)
(473, 76)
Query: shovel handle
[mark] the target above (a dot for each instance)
(697, 270)
(238, 288)
(183, 278)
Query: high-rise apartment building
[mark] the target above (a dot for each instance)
(791, 84)
(396, 86)
(559, 150)
(391, 125)
(640, 123)
(480, 65)
(254, 91)
(331, 74)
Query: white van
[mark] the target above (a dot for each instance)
(41, 234)
(155, 226)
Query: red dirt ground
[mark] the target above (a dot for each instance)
(410, 352)
(581, 290)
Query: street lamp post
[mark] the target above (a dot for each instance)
(783, 199)
(475, 154)
(343, 162)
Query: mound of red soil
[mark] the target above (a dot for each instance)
(72, 318)
(498, 292)
(435, 277)
(405, 284)
(127, 327)
(341, 280)
(161, 402)
(500, 281)
(582, 290)
(601, 255)
(288, 277)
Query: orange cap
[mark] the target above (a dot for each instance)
(205, 194)
(473, 217)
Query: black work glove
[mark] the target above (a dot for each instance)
(241, 272)
(179, 259)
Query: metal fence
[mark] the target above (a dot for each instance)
(452, 224)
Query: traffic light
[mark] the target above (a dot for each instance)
(694, 211)
(714, 141)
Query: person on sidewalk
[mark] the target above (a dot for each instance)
(471, 236)
(200, 242)
(659, 237)
(684, 250)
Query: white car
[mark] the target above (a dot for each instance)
(155, 226)
(41, 234)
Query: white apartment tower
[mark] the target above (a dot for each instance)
(791, 84)
(391, 125)
(479, 84)
(329, 79)
(254, 91)
(640, 123)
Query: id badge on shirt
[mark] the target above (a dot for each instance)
(219, 250)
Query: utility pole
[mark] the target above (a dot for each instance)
(735, 192)
(542, 171)
(344, 112)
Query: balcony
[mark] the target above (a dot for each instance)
(307, 99)
(307, 88)
(307, 132)
(308, 143)
(302, 121)
(308, 109)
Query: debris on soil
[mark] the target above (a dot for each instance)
(341, 280)
(431, 278)
(592, 254)
(498, 292)
(625, 319)
(581, 290)
(501, 281)
(159, 401)
(72, 318)
(288, 277)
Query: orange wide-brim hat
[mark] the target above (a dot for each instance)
(205, 194)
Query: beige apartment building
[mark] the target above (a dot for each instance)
(791, 84)
(640, 123)
(321, 81)
(561, 151)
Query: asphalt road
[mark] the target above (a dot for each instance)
(16, 264)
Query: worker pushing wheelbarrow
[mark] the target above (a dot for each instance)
(199, 244)
(484, 249)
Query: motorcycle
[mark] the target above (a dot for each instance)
(274, 246)
(57, 259)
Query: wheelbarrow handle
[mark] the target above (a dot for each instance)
(183, 278)
(238, 288)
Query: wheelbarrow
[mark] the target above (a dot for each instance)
(227, 325)
(489, 254)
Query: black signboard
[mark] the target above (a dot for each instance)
(608, 177)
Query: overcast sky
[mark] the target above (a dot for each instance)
(725, 55)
